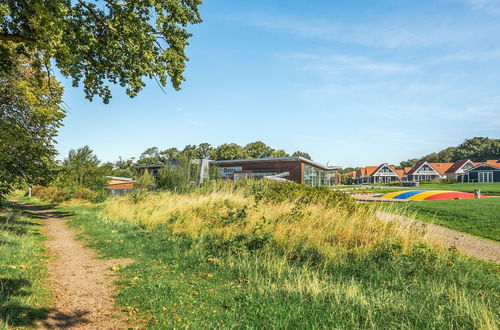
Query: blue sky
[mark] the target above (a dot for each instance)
(350, 82)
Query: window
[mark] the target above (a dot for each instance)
(485, 177)
(315, 177)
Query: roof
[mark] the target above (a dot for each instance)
(119, 178)
(371, 169)
(493, 162)
(276, 159)
(441, 168)
(457, 165)
(400, 173)
(407, 169)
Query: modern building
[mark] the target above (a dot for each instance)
(297, 169)
(119, 186)
(488, 171)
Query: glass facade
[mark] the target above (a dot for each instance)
(316, 177)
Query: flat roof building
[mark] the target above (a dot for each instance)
(297, 169)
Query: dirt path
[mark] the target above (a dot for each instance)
(466, 244)
(82, 284)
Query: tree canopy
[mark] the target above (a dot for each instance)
(30, 114)
(97, 43)
(476, 149)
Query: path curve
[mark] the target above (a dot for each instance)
(82, 284)
(466, 244)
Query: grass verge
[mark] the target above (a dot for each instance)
(24, 295)
(480, 217)
(226, 258)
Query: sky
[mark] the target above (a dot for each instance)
(352, 83)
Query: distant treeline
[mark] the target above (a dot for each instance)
(153, 155)
(476, 149)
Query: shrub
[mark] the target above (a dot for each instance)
(51, 194)
(439, 181)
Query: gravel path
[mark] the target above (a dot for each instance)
(82, 284)
(466, 244)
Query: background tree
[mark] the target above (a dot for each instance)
(170, 154)
(190, 152)
(258, 149)
(82, 168)
(30, 114)
(279, 153)
(145, 181)
(228, 151)
(301, 154)
(476, 149)
(204, 150)
(151, 156)
(102, 42)
(124, 168)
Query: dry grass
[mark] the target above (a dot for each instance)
(333, 231)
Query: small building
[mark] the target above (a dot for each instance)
(383, 173)
(119, 186)
(488, 171)
(428, 171)
(458, 169)
(297, 169)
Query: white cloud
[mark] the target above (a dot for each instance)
(490, 6)
(388, 33)
(334, 63)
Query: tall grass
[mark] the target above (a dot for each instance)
(231, 217)
(266, 255)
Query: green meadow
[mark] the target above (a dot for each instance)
(251, 256)
(480, 217)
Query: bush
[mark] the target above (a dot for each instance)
(181, 178)
(58, 195)
(275, 192)
(439, 181)
(51, 194)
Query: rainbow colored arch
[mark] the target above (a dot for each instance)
(427, 195)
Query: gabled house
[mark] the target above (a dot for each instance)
(457, 170)
(383, 173)
(428, 171)
(488, 171)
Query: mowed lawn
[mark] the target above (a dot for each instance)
(480, 217)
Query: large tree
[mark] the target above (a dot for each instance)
(30, 114)
(82, 168)
(100, 42)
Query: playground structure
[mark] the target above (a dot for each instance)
(426, 195)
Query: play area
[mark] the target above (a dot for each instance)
(420, 195)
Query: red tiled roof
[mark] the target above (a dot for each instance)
(493, 162)
(407, 169)
(371, 169)
(400, 173)
(441, 168)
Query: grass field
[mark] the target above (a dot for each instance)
(24, 297)
(486, 188)
(238, 259)
(480, 217)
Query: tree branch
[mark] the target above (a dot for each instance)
(97, 17)
(14, 38)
